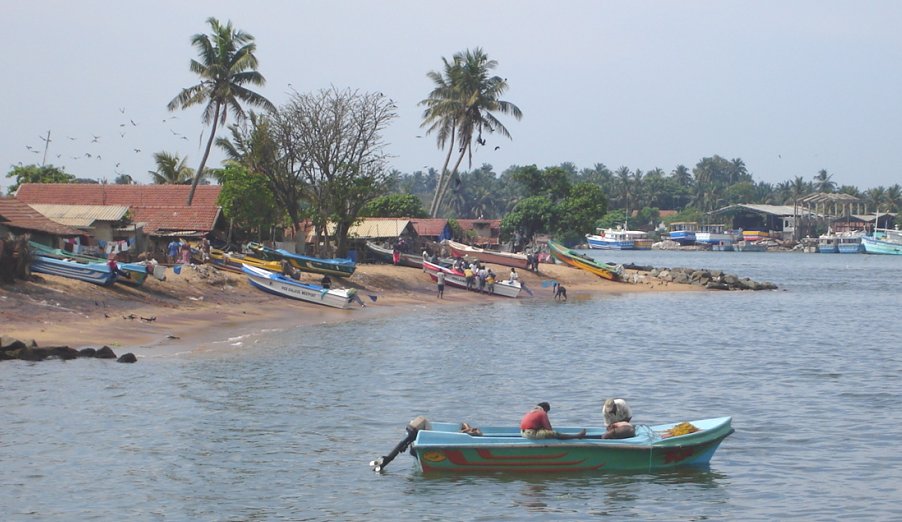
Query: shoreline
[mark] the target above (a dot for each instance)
(203, 309)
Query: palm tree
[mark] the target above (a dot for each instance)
(460, 108)
(124, 179)
(226, 64)
(171, 170)
(823, 182)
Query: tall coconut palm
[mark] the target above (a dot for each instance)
(460, 108)
(823, 182)
(171, 170)
(226, 65)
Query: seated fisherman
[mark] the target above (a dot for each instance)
(536, 425)
(617, 418)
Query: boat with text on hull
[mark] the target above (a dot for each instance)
(278, 284)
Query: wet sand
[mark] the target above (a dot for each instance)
(203, 309)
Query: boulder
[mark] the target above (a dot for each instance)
(127, 358)
(87, 352)
(105, 353)
(10, 343)
(717, 286)
(33, 353)
(61, 352)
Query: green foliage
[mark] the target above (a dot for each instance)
(247, 199)
(395, 205)
(646, 219)
(530, 216)
(553, 182)
(37, 174)
(689, 214)
(612, 219)
(171, 169)
(577, 213)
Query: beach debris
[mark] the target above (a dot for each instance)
(170, 336)
(149, 319)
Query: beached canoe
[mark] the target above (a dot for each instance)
(583, 262)
(386, 255)
(486, 256)
(442, 447)
(277, 284)
(97, 273)
(457, 278)
(233, 261)
(337, 266)
(137, 272)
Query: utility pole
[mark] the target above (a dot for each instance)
(46, 146)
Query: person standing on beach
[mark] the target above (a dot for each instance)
(440, 282)
(173, 252)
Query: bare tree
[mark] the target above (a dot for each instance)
(333, 138)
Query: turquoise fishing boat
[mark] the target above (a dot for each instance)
(137, 272)
(97, 273)
(442, 447)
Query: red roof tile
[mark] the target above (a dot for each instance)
(106, 194)
(429, 227)
(170, 219)
(160, 207)
(17, 215)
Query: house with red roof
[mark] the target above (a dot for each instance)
(156, 212)
(18, 218)
(481, 232)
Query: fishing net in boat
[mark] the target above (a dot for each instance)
(683, 428)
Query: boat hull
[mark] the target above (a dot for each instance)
(338, 267)
(877, 246)
(97, 273)
(487, 256)
(603, 243)
(454, 278)
(683, 237)
(574, 259)
(280, 285)
(386, 255)
(504, 450)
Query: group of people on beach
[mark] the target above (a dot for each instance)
(617, 416)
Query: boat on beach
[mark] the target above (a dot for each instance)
(486, 256)
(137, 272)
(443, 447)
(277, 284)
(456, 278)
(338, 266)
(97, 273)
(386, 255)
(233, 261)
(575, 259)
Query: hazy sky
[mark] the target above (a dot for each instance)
(791, 87)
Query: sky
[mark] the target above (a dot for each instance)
(789, 87)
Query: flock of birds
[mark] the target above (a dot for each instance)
(94, 141)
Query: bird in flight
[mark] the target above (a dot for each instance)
(71, 138)
(133, 123)
(185, 138)
(497, 147)
(28, 147)
(137, 150)
(88, 154)
(121, 110)
(95, 139)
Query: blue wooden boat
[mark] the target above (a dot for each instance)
(443, 447)
(883, 241)
(683, 232)
(97, 273)
(338, 266)
(137, 272)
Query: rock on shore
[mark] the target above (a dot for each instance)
(12, 348)
(713, 279)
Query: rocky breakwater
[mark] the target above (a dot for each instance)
(11, 348)
(713, 279)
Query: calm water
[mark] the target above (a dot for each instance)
(284, 428)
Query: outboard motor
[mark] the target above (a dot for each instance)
(413, 427)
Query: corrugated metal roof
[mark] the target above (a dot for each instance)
(777, 210)
(81, 216)
(378, 228)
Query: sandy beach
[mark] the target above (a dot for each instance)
(200, 308)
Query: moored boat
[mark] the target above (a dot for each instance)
(277, 284)
(575, 259)
(442, 447)
(714, 235)
(883, 241)
(683, 232)
(233, 261)
(827, 244)
(487, 256)
(619, 239)
(338, 266)
(456, 278)
(849, 243)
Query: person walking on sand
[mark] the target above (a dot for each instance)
(440, 282)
